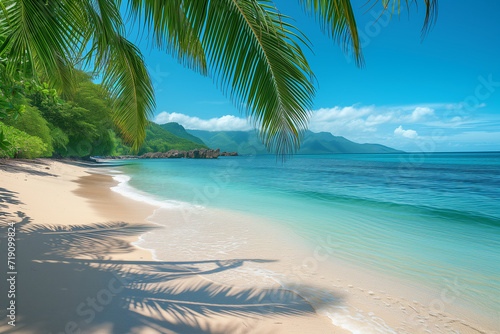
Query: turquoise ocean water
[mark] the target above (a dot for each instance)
(432, 218)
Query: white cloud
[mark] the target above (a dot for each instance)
(224, 123)
(411, 134)
(419, 114)
(373, 120)
(338, 113)
(345, 120)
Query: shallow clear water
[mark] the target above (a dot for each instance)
(431, 218)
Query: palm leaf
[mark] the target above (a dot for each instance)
(128, 81)
(255, 56)
(122, 67)
(39, 38)
(336, 18)
(431, 10)
(167, 24)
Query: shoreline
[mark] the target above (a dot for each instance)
(75, 241)
(213, 294)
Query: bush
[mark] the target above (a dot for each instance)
(119, 147)
(86, 121)
(31, 121)
(22, 145)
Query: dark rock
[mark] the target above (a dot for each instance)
(229, 154)
(176, 154)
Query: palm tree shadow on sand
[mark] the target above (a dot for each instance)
(68, 283)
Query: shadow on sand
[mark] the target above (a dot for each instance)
(68, 283)
(24, 166)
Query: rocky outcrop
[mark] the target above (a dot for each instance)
(228, 154)
(176, 154)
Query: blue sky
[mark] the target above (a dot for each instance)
(439, 95)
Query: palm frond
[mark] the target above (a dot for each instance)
(124, 72)
(39, 38)
(431, 10)
(255, 56)
(171, 30)
(128, 81)
(336, 18)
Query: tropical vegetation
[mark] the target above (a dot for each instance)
(46, 125)
(159, 139)
(253, 53)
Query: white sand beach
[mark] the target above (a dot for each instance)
(79, 273)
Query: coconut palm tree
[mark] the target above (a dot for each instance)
(253, 53)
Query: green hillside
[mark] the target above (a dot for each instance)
(247, 142)
(160, 140)
(179, 131)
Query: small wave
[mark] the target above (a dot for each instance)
(125, 189)
(141, 244)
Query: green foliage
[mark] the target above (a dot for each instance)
(71, 120)
(80, 126)
(10, 96)
(22, 145)
(93, 98)
(119, 147)
(59, 139)
(4, 143)
(31, 121)
(157, 140)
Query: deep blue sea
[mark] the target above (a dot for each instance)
(431, 218)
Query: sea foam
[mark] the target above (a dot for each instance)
(125, 189)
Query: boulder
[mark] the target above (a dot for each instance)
(229, 154)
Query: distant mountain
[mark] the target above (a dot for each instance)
(326, 143)
(179, 131)
(247, 142)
